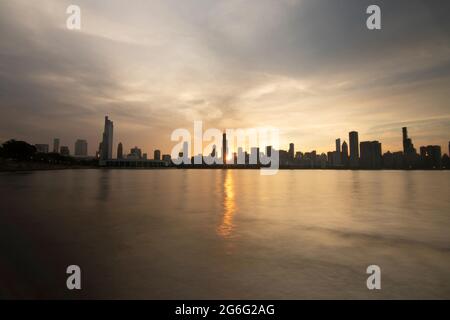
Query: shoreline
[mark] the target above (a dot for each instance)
(62, 167)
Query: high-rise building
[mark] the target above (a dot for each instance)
(120, 151)
(371, 157)
(41, 148)
(81, 148)
(107, 141)
(344, 154)
(337, 160)
(409, 151)
(157, 155)
(64, 151)
(354, 149)
(224, 148)
(291, 152)
(56, 145)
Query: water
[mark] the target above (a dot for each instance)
(225, 234)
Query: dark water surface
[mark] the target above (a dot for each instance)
(186, 234)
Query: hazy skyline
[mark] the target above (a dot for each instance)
(310, 68)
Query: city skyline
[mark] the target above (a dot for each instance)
(159, 65)
(356, 154)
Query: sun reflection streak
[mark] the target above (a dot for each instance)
(225, 229)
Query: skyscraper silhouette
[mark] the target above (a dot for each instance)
(120, 151)
(157, 155)
(107, 141)
(337, 160)
(81, 148)
(56, 145)
(291, 152)
(224, 148)
(354, 149)
(408, 147)
(344, 154)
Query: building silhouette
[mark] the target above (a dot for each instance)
(291, 152)
(135, 153)
(344, 154)
(81, 148)
(224, 148)
(337, 153)
(354, 149)
(431, 157)
(56, 145)
(64, 151)
(409, 152)
(107, 141)
(408, 147)
(42, 148)
(157, 155)
(370, 157)
(120, 151)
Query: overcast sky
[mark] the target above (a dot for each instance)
(308, 67)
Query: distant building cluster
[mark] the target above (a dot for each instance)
(368, 155)
(80, 149)
(354, 155)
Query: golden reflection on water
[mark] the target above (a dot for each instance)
(225, 229)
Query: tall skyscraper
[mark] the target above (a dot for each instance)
(107, 141)
(344, 154)
(408, 147)
(81, 148)
(157, 155)
(120, 151)
(56, 145)
(224, 148)
(291, 152)
(337, 160)
(354, 149)
(409, 152)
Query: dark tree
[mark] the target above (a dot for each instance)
(19, 150)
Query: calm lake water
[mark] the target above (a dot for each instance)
(232, 234)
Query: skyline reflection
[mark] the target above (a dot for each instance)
(227, 226)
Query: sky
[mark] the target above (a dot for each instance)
(308, 67)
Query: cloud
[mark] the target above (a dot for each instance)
(309, 67)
